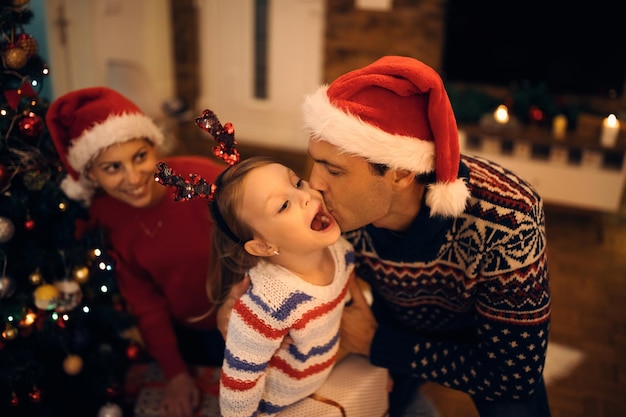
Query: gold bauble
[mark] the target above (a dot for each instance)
(73, 364)
(15, 58)
(46, 296)
(81, 274)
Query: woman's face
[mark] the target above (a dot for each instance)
(125, 171)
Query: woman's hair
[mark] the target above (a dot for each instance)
(229, 260)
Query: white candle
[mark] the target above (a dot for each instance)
(559, 126)
(501, 115)
(610, 129)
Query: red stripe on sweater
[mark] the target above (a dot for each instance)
(279, 363)
(238, 384)
(257, 324)
(321, 310)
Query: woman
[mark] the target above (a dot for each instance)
(161, 247)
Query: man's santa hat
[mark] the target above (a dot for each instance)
(84, 122)
(396, 112)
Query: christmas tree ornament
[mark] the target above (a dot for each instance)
(7, 229)
(15, 95)
(28, 43)
(110, 410)
(31, 126)
(9, 332)
(35, 277)
(35, 180)
(73, 364)
(14, 57)
(80, 274)
(46, 296)
(70, 295)
(7, 286)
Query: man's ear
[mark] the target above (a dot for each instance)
(402, 178)
(259, 248)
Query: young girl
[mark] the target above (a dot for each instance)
(275, 228)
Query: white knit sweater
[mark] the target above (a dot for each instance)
(258, 378)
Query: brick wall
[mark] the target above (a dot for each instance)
(355, 38)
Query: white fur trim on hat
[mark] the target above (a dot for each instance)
(447, 199)
(352, 135)
(117, 128)
(79, 190)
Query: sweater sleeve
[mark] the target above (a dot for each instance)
(505, 354)
(250, 345)
(150, 308)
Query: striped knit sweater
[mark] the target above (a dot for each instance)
(464, 302)
(258, 378)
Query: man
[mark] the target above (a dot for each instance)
(453, 247)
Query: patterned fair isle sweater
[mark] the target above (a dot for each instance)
(258, 378)
(464, 302)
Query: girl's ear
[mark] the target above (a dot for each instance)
(258, 248)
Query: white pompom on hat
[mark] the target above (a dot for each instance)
(84, 122)
(396, 112)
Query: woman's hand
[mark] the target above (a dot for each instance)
(358, 324)
(181, 397)
(223, 312)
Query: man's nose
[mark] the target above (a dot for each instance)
(315, 179)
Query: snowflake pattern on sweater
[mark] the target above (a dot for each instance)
(464, 302)
(259, 378)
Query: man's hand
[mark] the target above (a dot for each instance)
(181, 397)
(358, 324)
(223, 312)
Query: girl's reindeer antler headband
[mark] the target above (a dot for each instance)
(195, 185)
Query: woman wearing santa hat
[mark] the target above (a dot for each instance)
(161, 247)
(453, 247)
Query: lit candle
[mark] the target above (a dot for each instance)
(501, 114)
(610, 129)
(559, 126)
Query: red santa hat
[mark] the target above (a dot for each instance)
(396, 112)
(84, 122)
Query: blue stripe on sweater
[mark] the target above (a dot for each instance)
(284, 310)
(318, 350)
(236, 363)
(269, 408)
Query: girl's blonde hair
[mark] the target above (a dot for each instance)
(229, 260)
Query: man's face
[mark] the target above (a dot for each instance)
(354, 194)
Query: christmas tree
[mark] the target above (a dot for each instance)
(61, 316)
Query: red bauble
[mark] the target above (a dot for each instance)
(31, 125)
